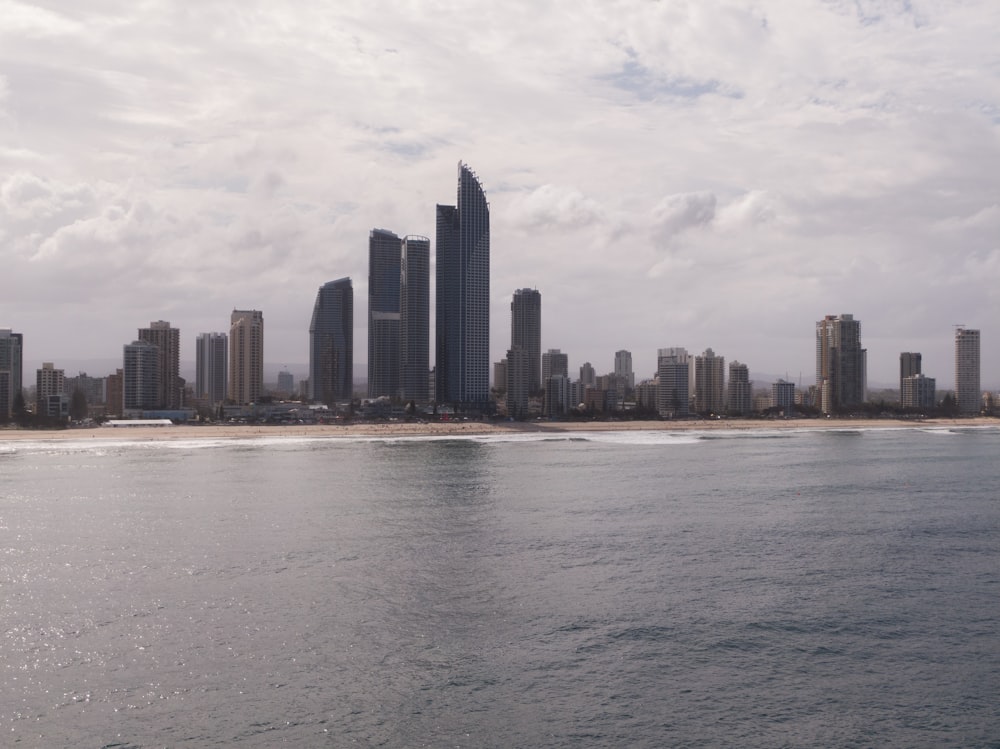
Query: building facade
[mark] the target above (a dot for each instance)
(48, 381)
(967, 393)
(740, 390)
(211, 354)
(918, 392)
(331, 343)
(673, 373)
(526, 332)
(783, 396)
(909, 365)
(140, 378)
(709, 383)
(246, 356)
(841, 363)
(415, 318)
(11, 370)
(518, 382)
(462, 323)
(623, 369)
(168, 343)
(384, 263)
(554, 362)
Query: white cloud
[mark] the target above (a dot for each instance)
(174, 160)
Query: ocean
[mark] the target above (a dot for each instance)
(618, 589)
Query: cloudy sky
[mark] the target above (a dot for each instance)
(697, 173)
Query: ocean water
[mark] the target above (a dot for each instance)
(746, 589)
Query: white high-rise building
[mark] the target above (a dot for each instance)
(967, 392)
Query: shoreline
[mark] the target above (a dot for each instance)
(472, 428)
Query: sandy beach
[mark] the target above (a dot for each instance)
(470, 428)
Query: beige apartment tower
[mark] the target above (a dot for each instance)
(246, 356)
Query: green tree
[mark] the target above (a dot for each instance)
(20, 410)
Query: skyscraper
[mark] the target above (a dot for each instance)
(967, 392)
(11, 370)
(246, 356)
(840, 363)
(167, 341)
(414, 318)
(331, 343)
(623, 369)
(140, 377)
(554, 363)
(463, 296)
(909, 365)
(709, 382)
(673, 370)
(211, 366)
(526, 333)
(48, 381)
(384, 283)
(517, 383)
(740, 389)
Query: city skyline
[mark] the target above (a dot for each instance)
(655, 170)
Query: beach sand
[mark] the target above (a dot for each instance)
(471, 428)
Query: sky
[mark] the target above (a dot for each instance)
(698, 173)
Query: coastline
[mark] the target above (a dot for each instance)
(472, 428)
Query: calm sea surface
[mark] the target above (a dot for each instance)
(760, 589)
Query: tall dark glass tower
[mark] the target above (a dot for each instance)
(414, 317)
(384, 254)
(463, 296)
(331, 343)
(526, 333)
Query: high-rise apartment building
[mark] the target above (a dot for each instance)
(918, 392)
(526, 332)
(331, 343)
(48, 381)
(783, 396)
(168, 343)
(246, 356)
(384, 283)
(414, 318)
(554, 364)
(967, 392)
(840, 363)
(909, 365)
(623, 369)
(140, 377)
(211, 354)
(463, 296)
(709, 383)
(673, 372)
(114, 398)
(588, 376)
(740, 390)
(11, 370)
(518, 382)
